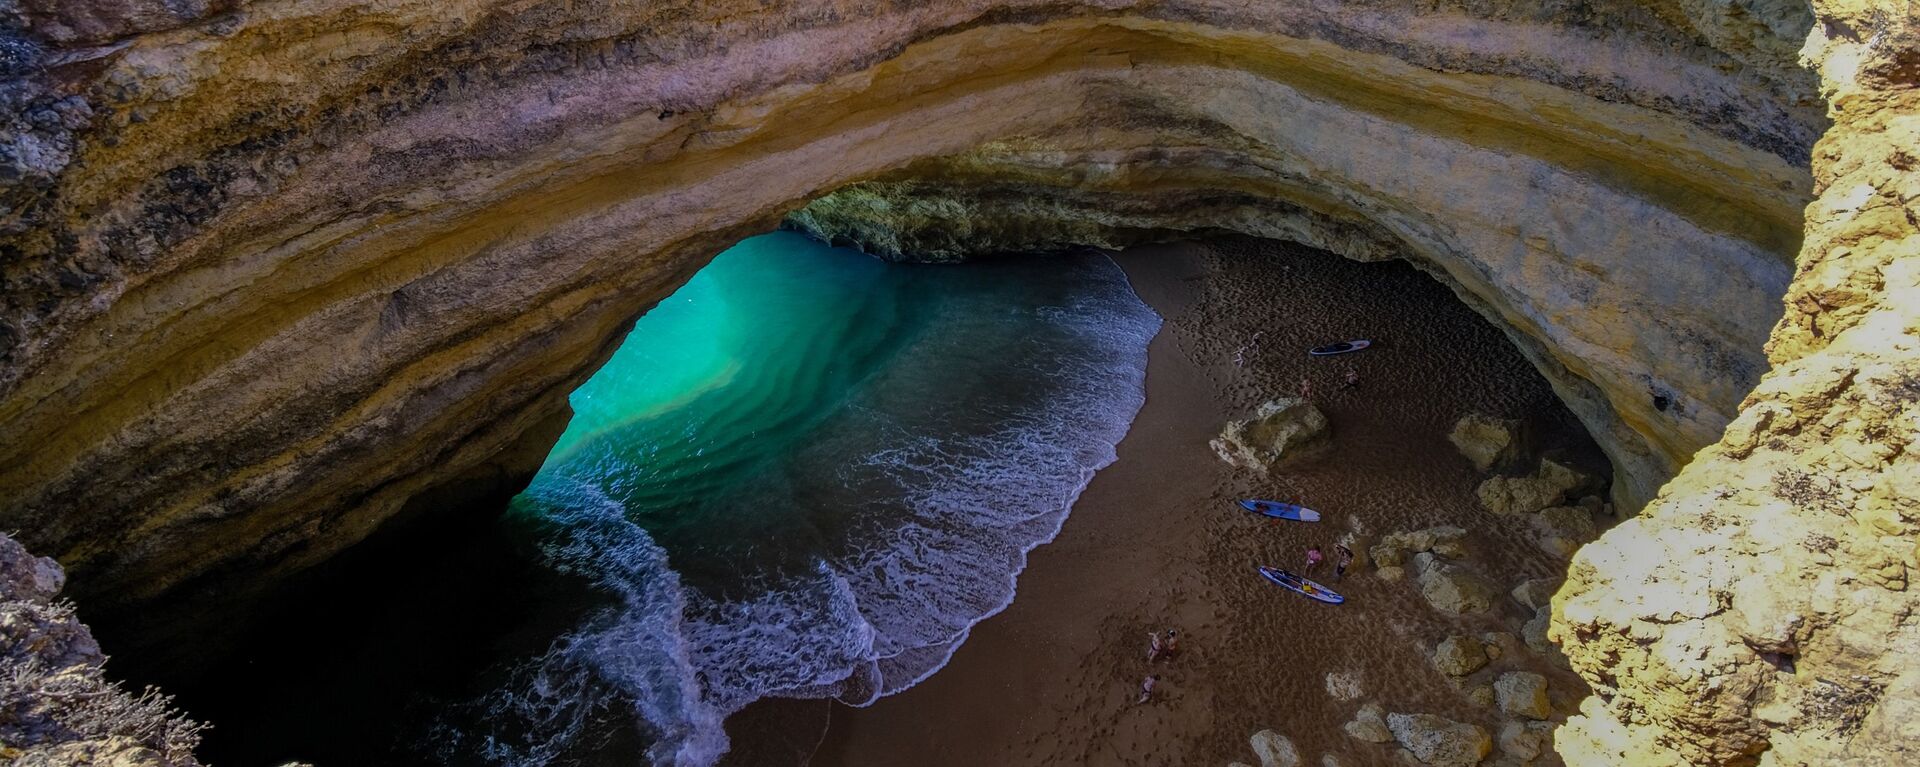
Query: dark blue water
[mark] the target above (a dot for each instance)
(807, 474)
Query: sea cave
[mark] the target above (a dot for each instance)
(821, 382)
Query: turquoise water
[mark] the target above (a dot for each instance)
(808, 473)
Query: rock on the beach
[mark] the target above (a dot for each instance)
(1534, 632)
(1536, 593)
(1455, 590)
(1274, 749)
(1524, 742)
(1280, 431)
(1391, 574)
(1459, 655)
(1345, 685)
(1332, 760)
(1523, 693)
(1482, 695)
(1549, 485)
(1369, 725)
(1439, 741)
(1562, 530)
(1488, 441)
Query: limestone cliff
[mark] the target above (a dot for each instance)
(56, 706)
(275, 270)
(1760, 611)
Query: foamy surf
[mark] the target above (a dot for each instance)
(848, 551)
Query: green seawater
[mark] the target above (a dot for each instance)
(808, 473)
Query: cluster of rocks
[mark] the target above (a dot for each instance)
(1425, 738)
(1447, 586)
(57, 707)
(1559, 501)
(1437, 741)
(1280, 432)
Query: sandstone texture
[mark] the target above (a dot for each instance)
(1552, 484)
(57, 708)
(1762, 609)
(1439, 741)
(1370, 725)
(1453, 589)
(1523, 693)
(1280, 432)
(1274, 749)
(275, 273)
(1489, 442)
(1459, 655)
(278, 270)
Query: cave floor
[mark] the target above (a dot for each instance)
(1156, 543)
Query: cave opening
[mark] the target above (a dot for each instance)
(808, 475)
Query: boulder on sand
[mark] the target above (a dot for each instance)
(1274, 749)
(1455, 590)
(1523, 693)
(1536, 593)
(1526, 741)
(1459, 655)
(1562, 530)
(1489, 442)
(1280, 431)
(1370, 725)
(1549, 485)
(1440, 741)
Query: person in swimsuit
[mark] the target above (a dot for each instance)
(1306, 388)
(1155, 647)
(1146, 688)
(1313, 557)
(1340, 565)
(1353, 378)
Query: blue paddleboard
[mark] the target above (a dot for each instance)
(1339, 348)
(1301, 585)
(1279, 510)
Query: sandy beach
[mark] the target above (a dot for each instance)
(1156, 542)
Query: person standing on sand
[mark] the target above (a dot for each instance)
(1313, 557)
(1146, 688)
(1340, 565)
(1306, 388)
(1172, 645)
(1353, 378)
(1155, 648)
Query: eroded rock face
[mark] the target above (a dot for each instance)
(1762, 608)
(272, 271)
(1487, 441)
(57, 707)
(1280, 432)
(285, 267)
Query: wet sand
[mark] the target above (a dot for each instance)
(1156, 542)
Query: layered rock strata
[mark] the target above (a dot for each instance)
(275, 270)
(1762, 609)
(280, 269)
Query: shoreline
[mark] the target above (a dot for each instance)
(1152, 543)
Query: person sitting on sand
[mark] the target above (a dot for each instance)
(1146, 688)
(1340, 565)
(1313, 557)
(1353, 378)
(1155, 647)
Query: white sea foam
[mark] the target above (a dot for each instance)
(965, 503)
